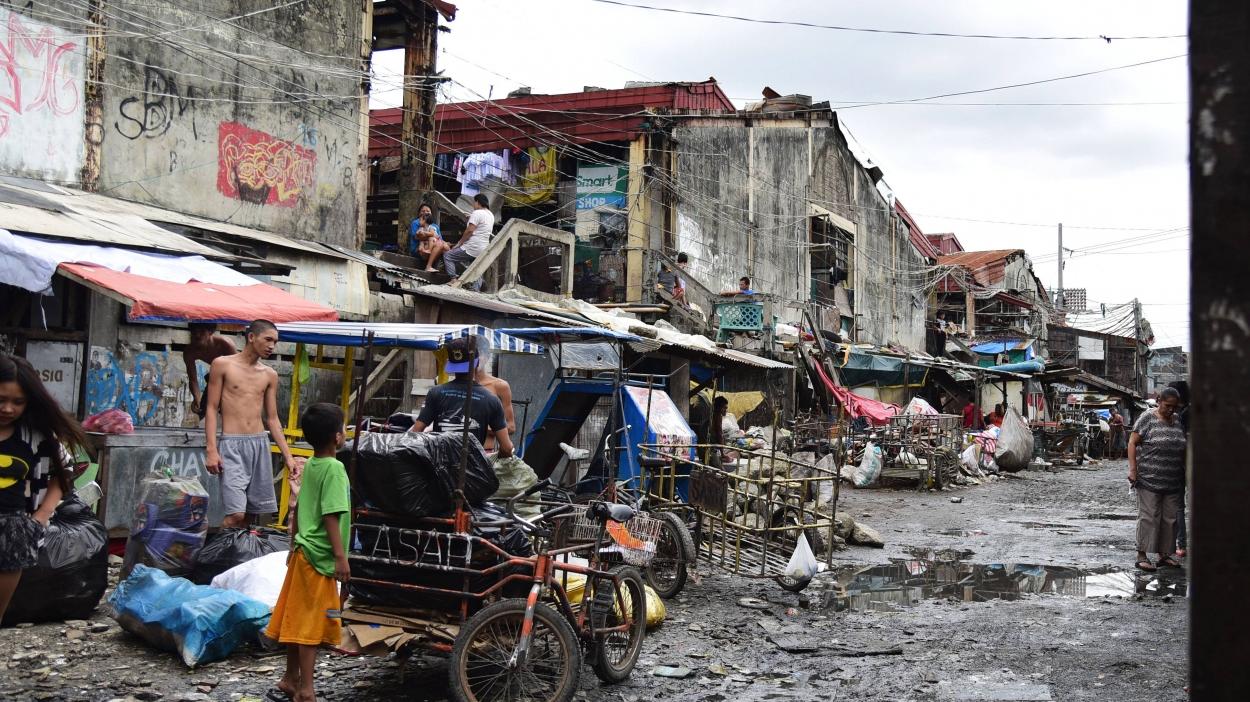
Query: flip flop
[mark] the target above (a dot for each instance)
(274, 694)
(1168, 562)
(1146, 565)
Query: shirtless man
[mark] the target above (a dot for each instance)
(499, 388)
(207, 346)
(241, 387)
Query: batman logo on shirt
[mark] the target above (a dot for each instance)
(12, 470)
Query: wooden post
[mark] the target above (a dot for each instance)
(639, 207)
(416, 164)
(93, 98)
(1219, 81)
(970, 313)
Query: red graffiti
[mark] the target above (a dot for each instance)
(35, 62)
(260, 168)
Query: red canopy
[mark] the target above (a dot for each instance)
(151, 299)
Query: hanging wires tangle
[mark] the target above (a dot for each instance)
(875, 30)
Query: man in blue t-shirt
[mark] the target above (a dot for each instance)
(444, 406)
(424, 237)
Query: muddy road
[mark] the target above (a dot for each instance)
(1023, 590)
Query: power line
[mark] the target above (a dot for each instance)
(874, 30)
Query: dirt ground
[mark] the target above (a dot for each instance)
(1023, 590)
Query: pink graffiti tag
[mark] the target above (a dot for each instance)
(256, 167)
(41, 57)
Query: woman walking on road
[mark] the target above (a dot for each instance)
(34, 467)
(1156, 467)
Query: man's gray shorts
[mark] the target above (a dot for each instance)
(246, 474)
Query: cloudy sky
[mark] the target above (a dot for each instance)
(998, 175)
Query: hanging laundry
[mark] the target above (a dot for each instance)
(475, 168)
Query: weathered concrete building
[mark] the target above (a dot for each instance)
(222, 110)
(774, 193)
(778, 196)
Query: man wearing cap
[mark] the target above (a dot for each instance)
(444, 406)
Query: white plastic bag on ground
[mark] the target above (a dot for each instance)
(1015, 443)
(870, 468)
(260, 578)
(803, 564)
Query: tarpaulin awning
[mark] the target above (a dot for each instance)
(427, 337)
(570, 334)
(859, 368)
(30, 263)
(856, 405)
(152, 299)
(996, 347)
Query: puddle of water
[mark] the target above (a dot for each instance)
(1110, 516)
(906, 582)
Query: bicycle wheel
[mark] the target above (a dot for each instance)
(615, 653)
(479, 670)
(675, 549)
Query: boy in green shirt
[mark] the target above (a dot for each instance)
(307, 613)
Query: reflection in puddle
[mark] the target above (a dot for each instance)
(907, 582)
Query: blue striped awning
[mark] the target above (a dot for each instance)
(427, 337)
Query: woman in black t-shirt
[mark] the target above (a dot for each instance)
(34, 467)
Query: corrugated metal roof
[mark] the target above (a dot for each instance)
(514, 121)
(987, 267)
(490, 303)
(50, 210)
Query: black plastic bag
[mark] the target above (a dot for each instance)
(415, 474)
(73, 569)
(509, 538)
(231, 547)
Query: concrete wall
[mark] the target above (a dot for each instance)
(742, 208)
(41, 98)
(255, 121)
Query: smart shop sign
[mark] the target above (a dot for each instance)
(599, 185)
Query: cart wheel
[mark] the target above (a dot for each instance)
(479, 669)
(674, 550)
(614, 653)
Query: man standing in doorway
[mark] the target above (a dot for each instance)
(473, 242)
(207, 346)
(241, 387)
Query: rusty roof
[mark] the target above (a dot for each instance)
(977, 259)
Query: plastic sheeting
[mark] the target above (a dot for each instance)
(72, 572)
(169, 525)
(201, 624)
(855, 405)
(415, 474)
(1015, 443)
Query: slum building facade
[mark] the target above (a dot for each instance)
(168, 129)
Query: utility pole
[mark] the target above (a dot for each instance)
(1138, 375)
(1059, 301)
(1219, 168)
(416, 162)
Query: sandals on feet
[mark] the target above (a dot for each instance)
(1146, 565)
(1168, 562)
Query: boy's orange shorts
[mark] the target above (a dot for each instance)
(302, 613)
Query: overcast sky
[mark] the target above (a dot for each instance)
(1113, 166)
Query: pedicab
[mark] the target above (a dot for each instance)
(507, 621)
(641, 411)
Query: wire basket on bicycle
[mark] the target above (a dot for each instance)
(635, 540)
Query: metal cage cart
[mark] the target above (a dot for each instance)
(751, 512)
(921, 447)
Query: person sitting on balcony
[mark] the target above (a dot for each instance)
(473, 242)
(425, 239)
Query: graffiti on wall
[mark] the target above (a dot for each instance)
(262, 169)
(151, 113)
(41, 106)
(150, 386)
